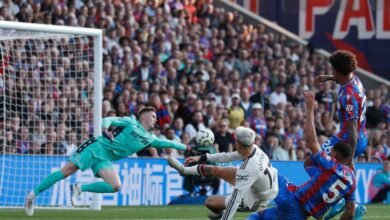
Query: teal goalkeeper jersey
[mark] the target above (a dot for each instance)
(130, 137)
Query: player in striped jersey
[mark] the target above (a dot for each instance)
(332, 181)
(351, 103)
(351, 113)
(255, 181)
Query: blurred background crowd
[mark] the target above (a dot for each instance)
(198, 65)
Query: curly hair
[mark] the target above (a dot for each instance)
(343, 61)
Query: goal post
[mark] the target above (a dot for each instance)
(51, 90)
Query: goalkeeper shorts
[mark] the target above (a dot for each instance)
(92, 155)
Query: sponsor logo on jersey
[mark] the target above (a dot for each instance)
(242, 177)
(139, 138)
(349, 108)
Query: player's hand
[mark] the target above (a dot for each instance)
(309, 99)
(323, 78)
(193, 159)
(107, 134)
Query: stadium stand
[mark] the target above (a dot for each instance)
(186, 57)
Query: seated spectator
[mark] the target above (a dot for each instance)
(286, 152)
(196, 124)
(271, 143)
(278, 96)
(163, 117)
(23, 142)
(362, 158)
(301, 154)
(167, 152)
(375, 114)
(379, 190)
(261, 96)
(326, 98)
(236, 113)
(245, 103)
(256, 121)
(224, 140)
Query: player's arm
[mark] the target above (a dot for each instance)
(324, 78)
(310, 131)
(351, 109)
(349, 211)
(333, 106)
(162, 143)
(244, 181)
(115, 121)
(218, 157)
(309, 167)
(318, 157)
(353, 136)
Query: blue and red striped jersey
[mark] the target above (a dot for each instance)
(330, 182)
(351, 106)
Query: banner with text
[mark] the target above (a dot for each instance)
(144, 181)
(360, 26)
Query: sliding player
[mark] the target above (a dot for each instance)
(255, 181)
(332, 181)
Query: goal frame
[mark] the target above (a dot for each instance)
(97, 34)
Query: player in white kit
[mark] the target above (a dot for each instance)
(255, 181)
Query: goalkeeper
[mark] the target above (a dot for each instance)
(129, 137)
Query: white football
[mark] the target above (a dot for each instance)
(204, 137)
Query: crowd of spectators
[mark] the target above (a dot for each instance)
(199, 66)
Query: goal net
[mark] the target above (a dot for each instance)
(50, 101)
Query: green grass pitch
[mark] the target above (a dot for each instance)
(178, 212)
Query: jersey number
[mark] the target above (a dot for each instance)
(334, 193)
(267, 173)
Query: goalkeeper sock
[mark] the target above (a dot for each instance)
(49, 181)
(98, 187)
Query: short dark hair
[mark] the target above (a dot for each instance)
(146, 109)
(343, 61)
(343, 149)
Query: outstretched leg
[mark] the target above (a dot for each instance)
(216, 204)
(111, 184)
(226, 173)
(46, 183)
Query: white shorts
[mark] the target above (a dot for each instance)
(248, 203)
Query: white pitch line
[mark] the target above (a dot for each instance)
(377, 217)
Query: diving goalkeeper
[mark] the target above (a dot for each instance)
(129, 137)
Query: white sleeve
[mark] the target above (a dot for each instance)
(244, 180)
(224, 157)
